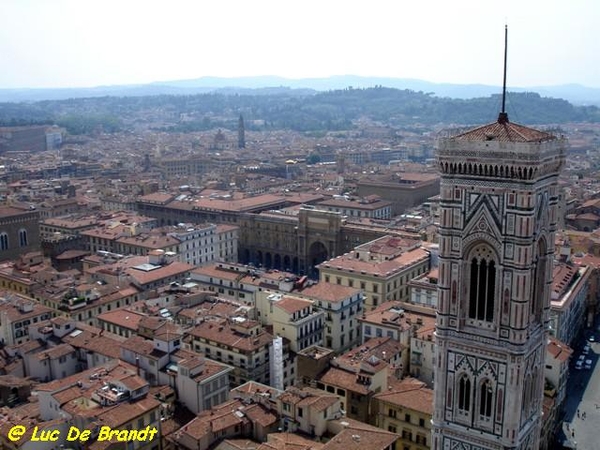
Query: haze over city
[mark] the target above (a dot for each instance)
(67, 43)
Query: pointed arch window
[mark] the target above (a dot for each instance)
(482, 287)
(538, 284)
(464, 393)
(23, 238)
(3, 241)
(486, 396)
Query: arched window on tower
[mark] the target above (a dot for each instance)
(482, 285)
(538, 284)
(464, 394)
(486, 395)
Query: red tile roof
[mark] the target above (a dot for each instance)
(411, 394)
(504, 132)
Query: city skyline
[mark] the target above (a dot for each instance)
(86, 44)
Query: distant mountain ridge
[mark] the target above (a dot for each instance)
(574, 93)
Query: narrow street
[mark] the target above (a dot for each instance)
(582, 405)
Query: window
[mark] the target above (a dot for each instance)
(421, 422)
(391, 428)
(407, 418)
(300, 412)
(464, 394)
(482, 285)
(539, 281)
(392, 413)
(23, 238)
(485, 399)
(3, 241)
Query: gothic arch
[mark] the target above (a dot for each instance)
(538, 281)
(317, 253)
(482, 275)
(464, 394)
(287, 265)
(485, 397)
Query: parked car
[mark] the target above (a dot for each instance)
(588, 364)
(579, 365)
(592, 338)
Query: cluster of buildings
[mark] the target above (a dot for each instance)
(300, 305)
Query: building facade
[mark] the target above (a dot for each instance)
(499, 194)
(19, 232)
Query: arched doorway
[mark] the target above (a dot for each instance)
(316, 255)
(287, 264)
(277, 261)
(268, 260)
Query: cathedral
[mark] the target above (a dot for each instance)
(498, 219)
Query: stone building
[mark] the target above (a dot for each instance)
(404, 190)
(19, 232)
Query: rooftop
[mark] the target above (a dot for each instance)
(504, 132)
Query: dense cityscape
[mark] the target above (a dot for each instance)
(226, 281)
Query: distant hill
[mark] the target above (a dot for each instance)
(293, 109)
(574, 93)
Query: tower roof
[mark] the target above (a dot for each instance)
(504, 132)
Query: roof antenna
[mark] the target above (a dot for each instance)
(503, 116)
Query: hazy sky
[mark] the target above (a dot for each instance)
(68, 43)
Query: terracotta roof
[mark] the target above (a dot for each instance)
(289, 441)
(259, 414)
(292, 305)
(140, 346)
(126, 412)
(393, 314)
(353, 439)
(343, 379)
(410, 394)
(93, 342)
(504, 132)
(329, 292)
(123, 318)
(383, 348)
(222, 333)
(253, 387)
(380, 269)
(558, 349)
(56, 352)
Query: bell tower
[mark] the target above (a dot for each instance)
(498, 216)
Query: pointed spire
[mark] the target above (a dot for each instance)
(503, 116)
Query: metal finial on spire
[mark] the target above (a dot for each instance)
(503, 116)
